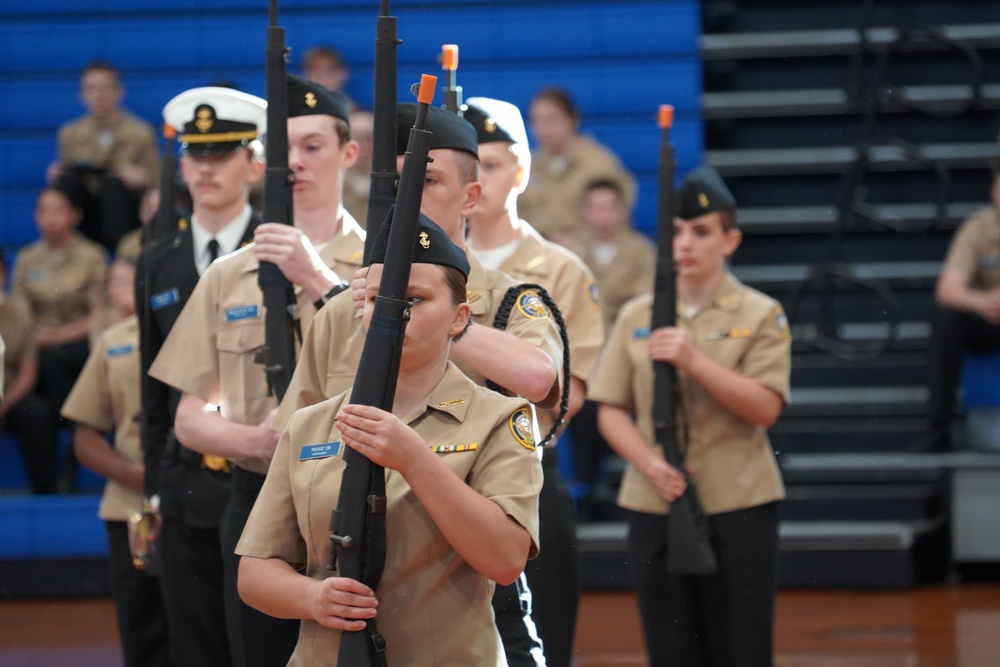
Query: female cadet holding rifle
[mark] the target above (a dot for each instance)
(731, 349)
(462, 481)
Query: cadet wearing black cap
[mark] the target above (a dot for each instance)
(225, 411)
(731, 348)
(462, 483)
(220, 159)
(505, 242)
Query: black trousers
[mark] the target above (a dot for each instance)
(589, 451)
(554, 575)
(142, 618)
(111, 213)
(36, 425)
(58, 368)
(255, 639)
(955, 333)
(722, 620)
(191, 576)
(512, 611)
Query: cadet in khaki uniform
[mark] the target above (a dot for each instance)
(561, 168)
(504, 242)
(462, 482)
(332, 346)
(968, 291)
(106, 398)
(211, 354)
(61, 277)
(109, 151)
(732, 353)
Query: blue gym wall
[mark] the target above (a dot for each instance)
(621, 60)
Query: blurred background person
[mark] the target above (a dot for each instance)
(562, 165)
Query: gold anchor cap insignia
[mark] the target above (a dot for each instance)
(204, 119)
(425, 242)
(490, 125)
(311, 101)
(703, 200)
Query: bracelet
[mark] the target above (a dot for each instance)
(332, 292)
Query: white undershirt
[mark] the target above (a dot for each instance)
(493, 258)
(229, 238)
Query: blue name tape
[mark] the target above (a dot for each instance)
(326, 450)
(164, 299)
(640, 332)
(119, 350)
(241, 313)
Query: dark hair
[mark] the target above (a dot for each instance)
(102, 66)
(561, 98)
(310, 57)
(605, 184)
(70, 188)
(456, 282)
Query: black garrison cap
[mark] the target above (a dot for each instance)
(703, 191)
(433, 245)
(449, 130)
(306, 98)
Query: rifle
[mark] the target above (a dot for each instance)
(452, 91)
(278, 353)
(165, 220)
(382, 194)
(357, 525)
(689, 550)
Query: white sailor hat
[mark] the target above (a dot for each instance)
(496, 120)
(215, 120)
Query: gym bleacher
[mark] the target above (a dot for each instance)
(772, 93)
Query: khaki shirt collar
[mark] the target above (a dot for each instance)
(451, 395)
(476, 286)
(728, 297)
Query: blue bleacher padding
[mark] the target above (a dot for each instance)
(34, 155)
(51, 527)
(981, 381)
(17, 220)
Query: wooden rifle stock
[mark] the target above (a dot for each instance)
(689, 549)
(357, 525)
(382, 193)
(278, 353)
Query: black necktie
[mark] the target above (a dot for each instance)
(213, 250)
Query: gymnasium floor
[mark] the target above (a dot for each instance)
(935, 626)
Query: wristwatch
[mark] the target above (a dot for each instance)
(330, 293)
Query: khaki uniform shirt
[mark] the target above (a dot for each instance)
(129, 246)
(17, 331)
(630, 273)
(975, 249)
(735, 466)
(434, 608)
(133, 142)
(106, 396)
(61, 287)
(332, 346)
(212, 348)
(551, 202)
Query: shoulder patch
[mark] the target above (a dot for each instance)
(521, 428)
(781, 324)
(594, 295)
(531, 305)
